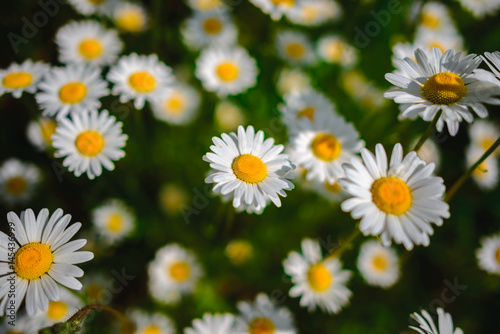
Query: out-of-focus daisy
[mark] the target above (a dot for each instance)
(226, 71)
(314, 12)
(292, 80)
(331, 191)
(18, 181)
(89, 7)
(483, 134)
(396, 201)
(212, 324)
(239, 251)
(209, 28)
(97, 288)
(74, 88)
(323, 145)
(249, 168)
(426, 324)
(19, 78)
(87, 42)
(275, 8)
(482, 8)
(203, 5)
(177, 105)
(379, 265)
(174, 272)
(130, 17)
(42, 257)
(139, 78)
(333, 49)
(435, 16)
(441, 82)
(40, 132)
(443, 40)
(89, 141)
(113, 221)
(156, 323)
(263, 316)
(173, 198)
(228, 116)
(486, 175)
(488, 255)
(295, 48)
(429, 152)
(319, 282)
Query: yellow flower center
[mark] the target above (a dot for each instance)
(33, 260)
(16, 185)
(310, 13)
(248, 168)
(89, 143)
(212, 26)
(319, 277)
(261, 326)
(436, 44)
(497, 256)
(97, 2)
(57, 311)
(295, 50)
(17, 80)
(72, 92)
(152, 329)
(239, 251)
(391, 195)
(90, 48)
(307, 112)
(47, 128)
(131, 20)
(172, 198)
(487, 142)
(180, 271)
(335, 50)
(287, 3)
(430, 20)
(115, 222)
(334, 188)
(94, 291)
(227, 71)
(208, 4)
(380, 263)
(175, 104)
(326, 147)
(444, 88)
(481, 171)
(142, 82)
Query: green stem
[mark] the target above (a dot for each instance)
(427, 132)
(338, 251)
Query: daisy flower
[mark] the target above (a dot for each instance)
(130, 17)
(173, 198)
(443, 40)
(40, 133)
(209, 28)
(378, 265)
(263, 316)
(18, 181)
(139, 78)
(249, 168)
(319, 282)
(228, 116)
(321, 146)
(239, 251)
(42, 257)
(97, 288)
(203, 5)
(174, 272)
(226, 71)
(435, 16)
(19, 78)
(275, 8)
(483, 135)
(398, 201)
(212, 324)
(441, 82)
(426, 324)
(333, 49)
(295, 48)
(87, 42)
(113, 221)
(74, 88)
(177, 105)
(330, 191)
(253, 208)
(429, 152)
(292, 80)
(89, 7)
(480, 9)
(488, 255)
(156, 323)
(89, 141)
(486, 174)
(313, 13)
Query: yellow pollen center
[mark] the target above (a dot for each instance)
(212, 26)
(180, 271)
(497, 256)
(436, 44)
(57, 311)
(481, 171)
(97, 2)
(142, 82)
(175, 104)
(227, 71)
(486, 143)
(16, 185)
(444, 88)
(47, 128)
(306, 112)
(72, 92)
(335, 51)
(319, 277)
(89, 143)
(208, 4)
(391, 195)
(131, 20)
(295, 50)
(310, 13)
(287, 3)
(90, 48)
(115, 222)
(326, 147)
(261, 326)
(430, 20)
(152, 329)
(33, 260)
(380, 263)
(17, 80)
(94, 291)
(334, 188)
(248, 168)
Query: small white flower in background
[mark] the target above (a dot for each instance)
(19, 78)
(203, 5)
(209, 28)
(486, 174)
(292, 80)
(213, 324)
(177, 105)
(295, 48)
(480, 9)
(239, 251)
(488, 255)
(314, 13)
(98, 287)
(483, 135)
(333, 49)
(319, 282)
(426, 324)
(74, 88)
(429, 152)
(18, 181)
(443, 40)
(155, 323)
(89, 141)
(435, 16)
(113, 221)
(330, 191)
(379, 265)
(39, 133)
(275, 8)
(228, 116)
(89, 7)
(129, 17)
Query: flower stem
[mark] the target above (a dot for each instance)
(345, 244)
(428, 132)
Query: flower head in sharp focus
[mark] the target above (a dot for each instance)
(113, 220)
(139, 78)
(320, 282)
(89, 141)
(213, 324)
(156, 323)
(480, 9)
(209, 28)
(251, 169)
(398, 201)
(379, 265)
(493, 62)
(58, 311)
(19, 78)
(18, 181)
(89, 7)
(177, 105)
(275, 8)
(314, 13)
(130, 17)
(426, 324)
(88, 42)
(43, 255)
(488, 255)
(74, 88)
(486, 174)
(40, 133)
(441, 82)
(295, 48)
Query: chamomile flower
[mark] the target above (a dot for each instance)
(74, 88)
(330, 191)
(228, 116)
(87, 42)
(379, 265)
(318, 281)
(488, 255)
(19, 78)
(396, 202)
(89, 7)
(249, 168)
(295, 48)
(18, 181)
(156, 323)
(264, 316)
(275, 8)
(89, 141)
(42, 257)
(173, 199)
(139, 78)
(292, 80)
(253, 208)
(212, 324)
(483, 135)
(486, 175)
(40, 132)
(130, 17)
(177, 105)
(174, 272)
(443, 40)
(239, 251)
(113, 221)
(209, 28)
(333, 49)
(322, 145)
(441, 82)
(203, 5)
(480, 9)
(97, 288)
(435, 16)
(429, 152)
(58, 311)
(226, 71)
(312, 13)
(426, 324)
